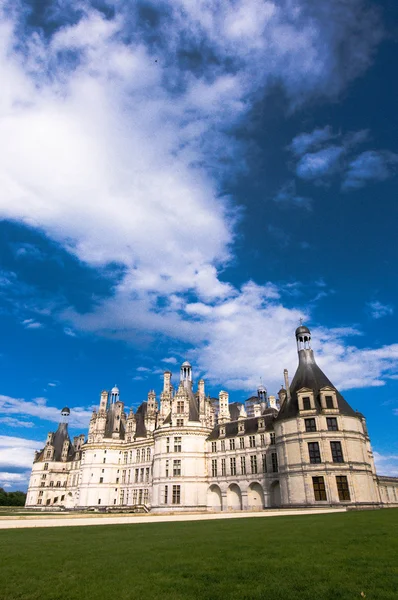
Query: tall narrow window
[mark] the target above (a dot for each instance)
(314, 453)
(329, 401)
(272, 439)
(45, 466)
(147, 474)
(252, 441)
(176, 494)
(262, 439)
(177, 444)
(241, 442)
(142, 474)
(264, 457)
(232, 444)
(138, 456)
(310, 424)
(274, 461)
(214, 467)
(306, 403)
(176, 468)
(166, 494)
(253, 463)
(233, 466)
(331, 423)
(319, 488)
(214, 446)
(342, 488)
(167, 444)
(223, 467)
(148, 454)
(337, 452)
(222, 445)
(167, 468)
(180, 406)
(243, 465)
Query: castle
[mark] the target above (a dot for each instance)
(190, 452)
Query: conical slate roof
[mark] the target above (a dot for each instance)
(309, 375)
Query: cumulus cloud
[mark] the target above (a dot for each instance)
(316, 165)
(370, 166)
(117, 141)
(39, 408)
(386, 464)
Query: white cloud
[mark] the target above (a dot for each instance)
(378, 309)
(17, 453)
(38, 408)
(170, 360)
(386, 464)
(68, 331)
(12, 422)
(14, 480)
(371, 165)
(31, 324)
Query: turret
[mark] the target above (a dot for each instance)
(223, 411)
(186, 375)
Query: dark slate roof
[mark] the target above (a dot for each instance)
(111, 423)
(140, 431)
(234, 410)
(251, 426)
(60, 436)
(309, 375)
(193, 406)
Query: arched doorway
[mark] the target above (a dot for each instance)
(214, 498)
(255, 496)
(234, 497)
(275, 494)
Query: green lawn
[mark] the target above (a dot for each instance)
(314, 557)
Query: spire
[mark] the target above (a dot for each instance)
(311, 377)
(186, 375)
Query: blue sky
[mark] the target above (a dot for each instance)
(186, 180)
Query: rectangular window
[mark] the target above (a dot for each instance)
(121, 496)
(166, 494)
(306, 403)
(177, 444)
(342, 488)
(138, 456)
(167, 468)
(180, 422)
(214, 467)
(233, 466)
(222, 445)
(274, 461)
(329, 401)
(252, 441)
(167, 444)
(180, 406)
(148, 454)
(176, 468)
(146, 496)
(310, 424)
(314, 453)
(337, 452)
(137, 471)
(142, 475)
(39, 501)
(253, 463)
(125, 457)
(99, 500)
(243, 465)
(135, 496)
(262, 439)
(232, 444)
(124, 476)
(176, 494)
(51, 484)
(272, 439)
(44, 476)
(139, 496)
(331, 423)
(45, 466)
(241, 443)
(264, 457)
(104, 460)
(214, 446)
(101, 480)
(223, 467)
(319, 488)
(41, 493)
(147, 474)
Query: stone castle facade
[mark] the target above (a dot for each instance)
(190, 452)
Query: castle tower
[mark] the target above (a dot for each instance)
(223, 404)
(322, 448)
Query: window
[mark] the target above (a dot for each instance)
(241, 428)
(233, 466)
(147, 474)
(139, 496)
(176, 468)
(180, 422)
(313, 451)
(146, 496)
(306, 403)
(232, 444)
(124, 476)
(180, 406)
(214, 467)
(331, 423)
(167, 468)
(337, 453)
(310, 424)
(272, 439)
(39, 501)
(99, 500)
(222, 445)
(342, 488)
(142, 474)
(121, 496)
(262, 439)
(264, 457)
(117, 479)
(41, 493)
(274, 460)
(177, 444)
(252, 441)
(51, 484)
(125, 457)
(130, 456)
(223, 467)
(44, 476)
(101, 480)
(243, 465)
(167, 444)
(135, 496)
(176, 494)
(261, 424)
(253, 463)
(319, 488)
(45, 466)
(137, 471)
(138, 456)
(241, 442)
(329, 401)
(214, 446)
(166, 494)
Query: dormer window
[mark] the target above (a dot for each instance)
(328, 398)
(329, 401)
(306, 399)
(241, 428)
(222, 431)
(261, 423)
(306, 403)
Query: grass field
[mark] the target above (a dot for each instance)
(314, 557)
